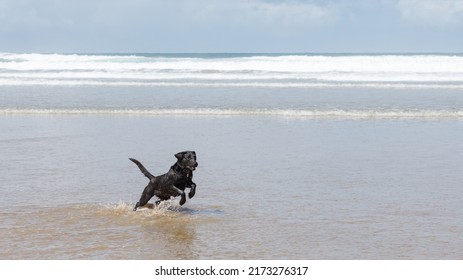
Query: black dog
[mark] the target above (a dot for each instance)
(172, 183)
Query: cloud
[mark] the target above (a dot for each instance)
(432, 12)
(249, 13)
(285, 13)
(194, 25)
(31, 15)
(228, 25)
(260, 12)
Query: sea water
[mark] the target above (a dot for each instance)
(301, 156)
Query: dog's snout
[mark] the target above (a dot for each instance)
(196, 164)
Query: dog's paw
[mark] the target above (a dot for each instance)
(183, 200)
(191, 194)
(136, 206)
(192, 190)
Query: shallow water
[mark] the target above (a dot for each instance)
(300, 156)
(268, 188)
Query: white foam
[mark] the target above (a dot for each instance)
(74, 82)
(296, 63)
(208, 112)
(269, 71)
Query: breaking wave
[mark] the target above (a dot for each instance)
(397, 71)
(282, 113)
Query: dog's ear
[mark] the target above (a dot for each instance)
(179, 155)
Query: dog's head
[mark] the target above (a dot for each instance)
(187, 160)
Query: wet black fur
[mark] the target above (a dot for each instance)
(171, 184)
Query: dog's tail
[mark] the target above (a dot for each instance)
(143, 169)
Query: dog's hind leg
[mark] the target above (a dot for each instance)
(145, 197)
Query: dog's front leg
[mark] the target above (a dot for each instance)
(181, 193)
(192, 190)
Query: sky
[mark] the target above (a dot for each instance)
(231, 26)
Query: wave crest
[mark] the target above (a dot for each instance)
(429, 71)
(283, 113)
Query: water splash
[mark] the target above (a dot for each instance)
(351, 114)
